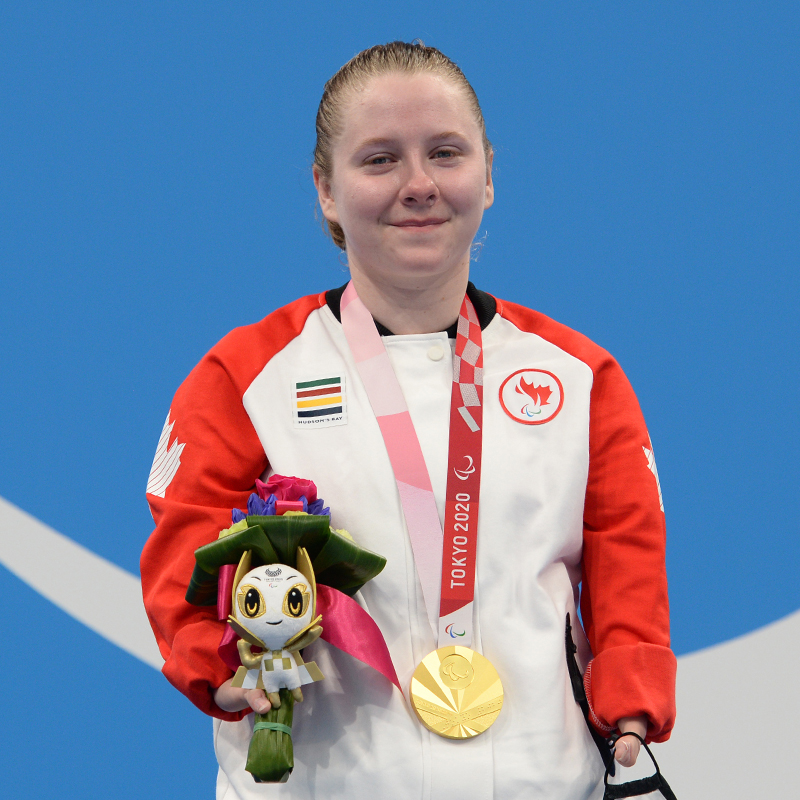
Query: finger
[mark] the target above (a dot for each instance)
(621, 751)
(230, 699)
(258, 701)
(626, 751)
(633, 753)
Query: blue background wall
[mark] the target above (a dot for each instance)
(156, 192)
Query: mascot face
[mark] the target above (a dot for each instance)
(274, 602)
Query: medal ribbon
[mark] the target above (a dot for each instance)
(445, 560)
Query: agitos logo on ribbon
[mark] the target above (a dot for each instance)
(320, 403)
(452, 633)
(532, 396)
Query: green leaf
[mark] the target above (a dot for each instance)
(229, 549)
(337, 561)
(202, 589)
(270, 758)
(288, 532)
(344, 565)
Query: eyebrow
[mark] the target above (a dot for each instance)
(374, 141)
(449, 135)
(381, 140)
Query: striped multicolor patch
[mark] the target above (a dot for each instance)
(320, 402)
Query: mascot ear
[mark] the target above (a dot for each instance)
(305, 637)
(244, 567)
(307, 571)
(245, 634)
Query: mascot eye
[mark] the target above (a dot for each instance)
(296, 601)
(251, 604)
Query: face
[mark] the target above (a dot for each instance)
(410, 180)
(273, 602)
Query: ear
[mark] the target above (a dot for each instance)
(489, 183)
(245, 634)
(325, 194)
(307, 571)
(305, 637)
(241, 571)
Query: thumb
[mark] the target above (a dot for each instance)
(258, 701)
(626, 751)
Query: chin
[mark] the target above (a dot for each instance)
(408, 267)
(427, 262)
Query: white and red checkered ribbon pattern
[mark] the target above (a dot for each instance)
(459, 551)
(468, 365)
(451, 578)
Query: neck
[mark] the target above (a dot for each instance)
(427, 307)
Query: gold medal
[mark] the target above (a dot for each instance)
(456, 692)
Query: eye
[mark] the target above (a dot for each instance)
(445, 152)
(296, 601)
(251, 603)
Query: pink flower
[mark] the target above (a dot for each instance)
(287, 488)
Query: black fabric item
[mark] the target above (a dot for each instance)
(613, 791)
(579, 693)
(485, 307)
(655, 783)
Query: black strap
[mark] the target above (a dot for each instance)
(654, 783)
(636, 788)
(579, 693)
(613, 791)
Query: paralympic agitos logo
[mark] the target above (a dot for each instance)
(532, 396)
(463, 474)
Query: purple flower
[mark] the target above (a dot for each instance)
(258, 507)
(317, 507)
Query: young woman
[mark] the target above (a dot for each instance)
(568, 491)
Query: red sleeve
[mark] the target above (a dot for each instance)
(208, 459)
(624, 602)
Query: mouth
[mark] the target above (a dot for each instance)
(274, 623)
(419, 223)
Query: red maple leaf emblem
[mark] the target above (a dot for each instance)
(539, 394)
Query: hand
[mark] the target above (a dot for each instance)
(230, 699)
(626, 750)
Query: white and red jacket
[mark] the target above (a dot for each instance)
(573, 500)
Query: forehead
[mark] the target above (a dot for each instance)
(274, 574)
(403, 104)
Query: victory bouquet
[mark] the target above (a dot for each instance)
(281, 577)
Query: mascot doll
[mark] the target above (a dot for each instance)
(274, 609)
(266, 574)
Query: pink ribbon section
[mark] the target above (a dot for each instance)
(227, 649)
(347, 626)
(344, 625)
(402, 445)
(227, 572)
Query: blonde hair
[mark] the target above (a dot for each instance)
(411, 58)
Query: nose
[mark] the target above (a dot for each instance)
(419, 187)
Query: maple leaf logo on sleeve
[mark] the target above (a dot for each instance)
(651, 465)
(166, 461)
